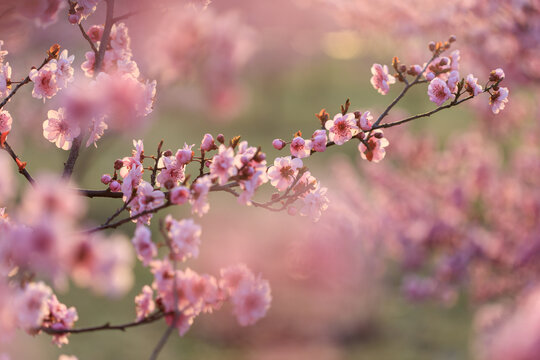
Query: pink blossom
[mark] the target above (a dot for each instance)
(185, 237)
(147, 199)
(96, 131)
(496, 75)
(251, 300)
(172, 171)
(222, 166)
(207, 143)
(199, 198)
(106, 179)
(64, 71)
(376, 151)
(144, 303)
(284, 171)
(202, 291)
(471, 85)
(45, 81)
(132, 180)
(32, 307)
(5, 79)
(438, 91)
(145, 248)
(365, 121)
(232, 276)
(115, 186)
(318, 141)
(95, 32)
(381, 80)
(498, 100)
(342, 128)
(185, 155)
(5, 122)
(60, 317)
(300, 148)
(179, 195)
(455, 57)
(453, 80)
(315, 202)
(59, 129)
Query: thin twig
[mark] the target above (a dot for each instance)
(107, 326)
(20, 164)
(92, 45)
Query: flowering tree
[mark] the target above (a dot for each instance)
(45, 238)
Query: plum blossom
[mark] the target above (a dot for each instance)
(251, 300)
(342, 128)
(185, 155)
(207, 143)
(32, 305)
(5, 79)
(498, 100)
(496, 75)
(232, 276)
(172, 171)
(381, 79)
(5, 121)
(278, 144)
(147, 199)
(300, 148)
(64, 71)
(60, 317)
(222, 166)
(365, 121)
(472, 86)
(97, 129)
(201, 291)
(318, 141)
(145, 248)
(144, 303)
(453, 80)
(438, 91)
(132, 180)
(199, 198)
(60, 129)
(45, 81)
(185, 237)
(375, 150)
(315, 202)
(179, 195)
(284, 171)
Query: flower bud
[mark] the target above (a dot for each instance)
(431, 46)
(278, 144)
(106, 179)
(118, 164)
(207, 143)
(169, 184)
(221, 138)
(452, 39)
(378, 135)
(73, 18)
(115, 186)
(167, 153)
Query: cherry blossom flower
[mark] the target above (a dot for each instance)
(376, 151)
(315, 202)
(172, 171)
(300, 148)
(199, 198)
(232, 276)
(207, 143)
(342, 128)
(381, 80)
(96, 131)
(318, 141)
(453, 80)
(438, 91)
(144, 303)
(496, 75)
(5, 79)
(145, 248)
(251, 300)
(45, 81)
(471, 85)
(365, 121)
(284, 171)
(32, 305)
(132, 180)
(5, 121)
(147, 199)
(498, 100)
(179, 195)
(60, 318)
(59, 129)
(185, 155)
(222, 166)
(185, 237)
(64, 71)
(202, 291)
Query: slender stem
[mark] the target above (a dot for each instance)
(20, 164)
(92, 45)
(107, 326)
(163, 340)
(100, 194)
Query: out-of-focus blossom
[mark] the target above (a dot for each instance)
(145, 248)
(144, 303)
(185, 237)
(381, 79)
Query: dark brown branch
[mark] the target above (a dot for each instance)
(154, 171)
(100, 194)
(92, 45)
(107, 326)
(20, 164)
